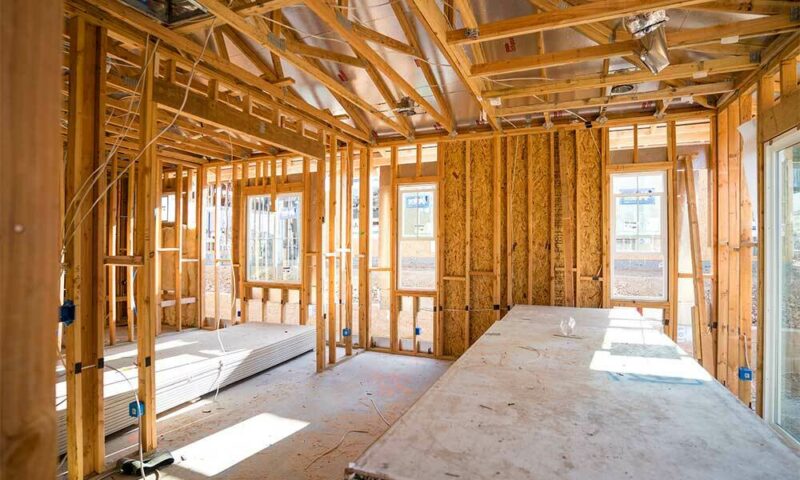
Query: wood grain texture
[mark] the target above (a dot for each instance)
(30, 96)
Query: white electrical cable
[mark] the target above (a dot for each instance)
(139, 418)
(154, 139)
(86, 187)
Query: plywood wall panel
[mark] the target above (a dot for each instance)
(453, 198)
(482, 216)
(518, 194)
(453, 324)
(589, 216)
(541, 183)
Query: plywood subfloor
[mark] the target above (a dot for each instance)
(302, 415)
(618, 401)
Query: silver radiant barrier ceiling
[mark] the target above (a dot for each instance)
(379, 16)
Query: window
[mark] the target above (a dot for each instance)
(274, 238)
(417, 213)
(782, 285)
(639, 236)
(416, 249)
(168, 208)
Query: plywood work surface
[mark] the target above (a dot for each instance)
(618, 400)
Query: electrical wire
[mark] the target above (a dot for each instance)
(154, 139)
(89, 183)
(139, 418)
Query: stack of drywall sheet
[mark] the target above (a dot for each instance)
(190, 364)
(617, 399)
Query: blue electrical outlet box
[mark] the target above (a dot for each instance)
(417, 330)
(745, 374)
(66, 312)
(345, 332)
(136, 409)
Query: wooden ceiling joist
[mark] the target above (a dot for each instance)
(353, 112)
(126, 22)
(343, 27)
(592, 12)
(675, 40)
(672, 72)
(435, 23)
(410, 31)
(662, 94)
(274, 45)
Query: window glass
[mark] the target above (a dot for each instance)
(787, 256)
(416, 249)
(274, 238)
(639, 248)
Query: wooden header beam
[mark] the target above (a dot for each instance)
(663, 94)
(202, 108)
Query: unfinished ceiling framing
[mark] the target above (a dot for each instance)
(393, 176)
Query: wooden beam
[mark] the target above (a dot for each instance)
(111, 282)
(666, 93)
(682, 39)
(341, 25)
(199, 107)
(85, 337)
(30, 53)
(258, 7)
(323, 54)
(586, 82)
(118, 16)
(319, 270)
(435, 23)
(704, 351)
(754, 7)
(332, 249)
(592, 12)
(352, 111)
(788, 76)
(410, 31)
(382, 40)
(147, 242)
(257, 34)
(553, 59)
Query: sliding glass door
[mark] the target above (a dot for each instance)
(782, 284)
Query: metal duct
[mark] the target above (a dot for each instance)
(653, 50)
(648, 28)
(640, 25)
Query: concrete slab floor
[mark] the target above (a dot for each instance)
(286, 423)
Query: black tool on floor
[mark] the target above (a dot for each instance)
(132, 466)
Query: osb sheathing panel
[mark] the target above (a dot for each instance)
(566, 193)
(518, 189)
(454, 201)
(481, 192)
(454, 315)
(481, 315)
(589, 217)
(453, 248)
(534, 232)
(481, 205)
(541, 183)
(556, 232)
